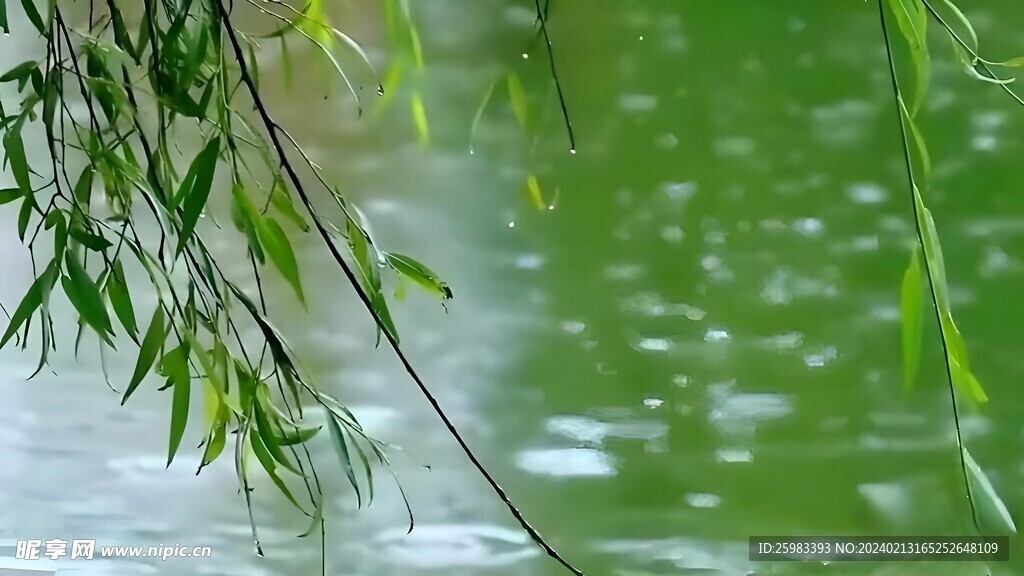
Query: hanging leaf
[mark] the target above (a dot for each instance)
(121, 301)
(194, 200)
(518, 98)
(277, 246)
(911, 319)
(419, 273)
(912, 20)
(341, 449)
(175, 366)
(85, 297)
(993, 517)
(31, 301)
(151, 344)
(419, 118)
(265, 460)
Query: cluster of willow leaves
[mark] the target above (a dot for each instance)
(118, 104)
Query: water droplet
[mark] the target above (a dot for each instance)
(7, 34)
(641, 37)
(572, 150)
(525, 55)
(470, 151)
(551, 207)
(380, 90)
(512, 224)
(653, 403)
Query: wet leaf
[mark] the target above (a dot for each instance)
(121, 301)
(175, 365)
(281, 200)
(341, 449)
(911, 319)
(533, 191)
(279, 249)
(33, 15)
(912, 20)
(85, 297)
(194, 200)
(919, 144)
(963, 22)
(267, 461)
(993, 517)
(19, 72)
(419, 118)
(318, 517)
(518, 98)
(151, 344)
(30, 302)
(419, 273)
(8, 195)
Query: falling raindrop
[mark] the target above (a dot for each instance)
(525, 55)
(512, 224)
(380, 90)
(641, 37)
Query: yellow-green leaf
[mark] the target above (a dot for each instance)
(279, 249)
(911, 319)
(912, 20)
(517, 96)
(993, 517)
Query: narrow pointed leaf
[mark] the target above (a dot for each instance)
(517, 96)
(911, 319)
(85, 296)
(32, 300)
(151, 344)
(341, 449)
(993, 517)
(195, 200)
(279, 249)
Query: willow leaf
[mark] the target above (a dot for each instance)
(911, 319)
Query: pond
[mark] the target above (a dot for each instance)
(694, 340)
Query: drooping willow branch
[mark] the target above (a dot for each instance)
(272, 132)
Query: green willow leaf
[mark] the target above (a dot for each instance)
(243, 214)
(281, 200)
(19, 72)
(993, 517)
(265, 428)
(518, 98)
(419, 273)
(963, 22)
(919, 143)
(194, 200)
(14, 147)
(279, 249)
(419, 118)
(30, 302)
(83, 189)
(33, 15)
(318, 518)
(175, 365)
(8, 195)
(121, 301)
(85, 297)
(912, 20)
(24, 217)
(151, 344)
(4, 25)
(341, 449)
(270, 466)
(291, 436)
(480, 114)
(911, 319)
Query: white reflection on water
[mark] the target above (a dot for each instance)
(566, 462)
